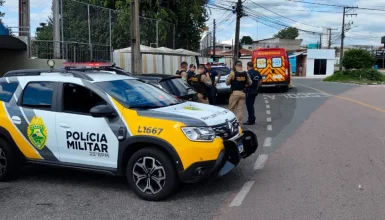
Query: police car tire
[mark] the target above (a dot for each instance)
(11, 167)
(162, 159)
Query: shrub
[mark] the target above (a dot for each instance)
(358, 59)
(369, 74)
(356, 75)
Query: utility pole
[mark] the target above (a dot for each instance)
(56, 28)
(239, 13)
(214, 45)
(346, 13)
(330, 37)
(136, 56)
(320, 41)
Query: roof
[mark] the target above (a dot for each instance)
(58, 75)
(12, 43)
(243, 51)
(155, 76)
(160, 51)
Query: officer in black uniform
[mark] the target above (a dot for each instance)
(252, 92)
(191, 73)
(201, 82)
(215, 77)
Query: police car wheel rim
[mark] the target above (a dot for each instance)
(149, 175)
(3, 162)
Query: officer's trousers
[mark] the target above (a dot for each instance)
(236, 103)
(250, 100)
(202, 98)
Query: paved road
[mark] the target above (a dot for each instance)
(318, 143)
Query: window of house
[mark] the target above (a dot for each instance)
(7, 90)
(38, 95)
(79, 100)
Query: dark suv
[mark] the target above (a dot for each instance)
(172, 84)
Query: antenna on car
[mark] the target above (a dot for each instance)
(51, 64)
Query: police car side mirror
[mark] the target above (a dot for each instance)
(103, 111)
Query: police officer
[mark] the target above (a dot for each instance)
(215, 77)
(190, 73)
(200, 82)
(183, 69)
(252, 92)
(238, 79)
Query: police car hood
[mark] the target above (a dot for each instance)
(208, 114)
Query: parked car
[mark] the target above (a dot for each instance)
(172, 84)
(223, 89)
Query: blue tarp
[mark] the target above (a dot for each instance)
(3, 30)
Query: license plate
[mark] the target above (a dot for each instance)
(240, 147)
(277, 76)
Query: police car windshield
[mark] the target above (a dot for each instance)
(137, 94)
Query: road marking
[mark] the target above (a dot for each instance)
(269, 127)
(265, 98)
(268, 112)
(237, 201)
(268, 106)
(267, 102)
(268, 119)
(267, 142)
(260, 163)
(347, 99)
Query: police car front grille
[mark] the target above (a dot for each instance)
(223, 132)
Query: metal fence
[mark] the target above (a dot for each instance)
(92, 32)
(70, 51)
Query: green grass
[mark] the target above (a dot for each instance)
(364, 76)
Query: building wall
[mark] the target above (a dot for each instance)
(310, 68)
(287, 44)
(14, 60)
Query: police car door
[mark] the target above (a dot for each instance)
(83, 139)
(31, 111)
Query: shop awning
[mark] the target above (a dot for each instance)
(11, 43)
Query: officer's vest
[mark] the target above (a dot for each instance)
(190, 75)
(197, 84)
(239, 82)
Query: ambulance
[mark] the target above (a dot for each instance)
(274, 66)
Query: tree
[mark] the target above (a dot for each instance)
(246, 40)
(358, 59)
(287, 33)
(1, 13)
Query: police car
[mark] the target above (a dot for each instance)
(117, 125)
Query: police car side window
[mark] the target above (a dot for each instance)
(7, 90)
(38, 95)
(79, 100)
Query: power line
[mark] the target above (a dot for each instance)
(285, 16)
(277, 22)
(341, 6)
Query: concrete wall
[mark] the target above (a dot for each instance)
(289, 45)
(13, 60)
(310, 68)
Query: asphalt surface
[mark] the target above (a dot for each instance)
(324, 161)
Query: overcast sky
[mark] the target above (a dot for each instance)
(367, 27)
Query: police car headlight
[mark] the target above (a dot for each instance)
(199, 133)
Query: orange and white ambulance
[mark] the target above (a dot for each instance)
(274, 66)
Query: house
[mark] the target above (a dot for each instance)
(287, 44)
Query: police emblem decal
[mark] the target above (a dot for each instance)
(37, 133)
